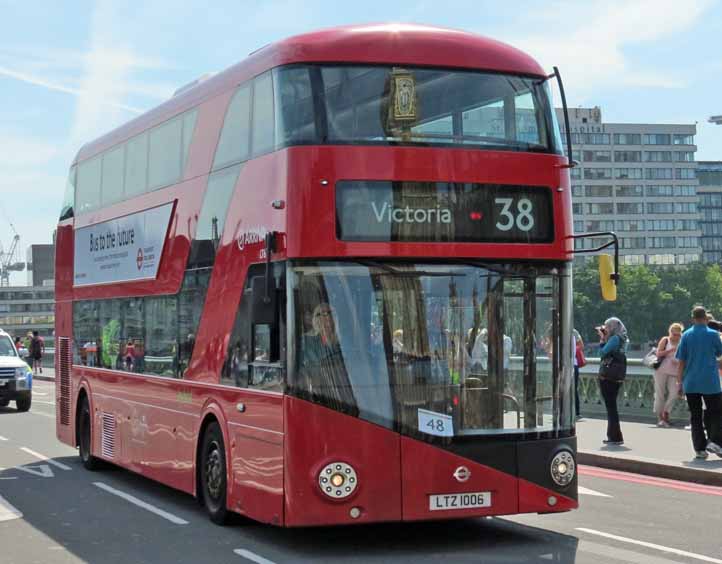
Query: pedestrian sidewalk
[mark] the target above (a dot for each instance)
(48, 375)
(647, 449)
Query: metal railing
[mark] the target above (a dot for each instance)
(636, 398)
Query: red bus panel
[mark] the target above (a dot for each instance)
(321, 436)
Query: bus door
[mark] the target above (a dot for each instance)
(524, 366)
(515, 341)
(256, 419)
(510, 384)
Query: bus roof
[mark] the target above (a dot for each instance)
(408, 44)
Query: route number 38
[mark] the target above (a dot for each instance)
(524, 218)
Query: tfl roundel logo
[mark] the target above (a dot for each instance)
(139, 259)
(462, 474)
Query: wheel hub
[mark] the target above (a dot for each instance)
(214, 470)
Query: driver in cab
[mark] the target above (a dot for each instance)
(322, 364)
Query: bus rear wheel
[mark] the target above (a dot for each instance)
(213, 474)
(89, 461)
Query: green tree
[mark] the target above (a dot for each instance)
(649, 298)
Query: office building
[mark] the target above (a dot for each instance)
(639, 180)
(709, 174)
(28, 308)
(41, 265)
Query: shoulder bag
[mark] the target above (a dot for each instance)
(613, 367)
(651, 360)
(581, 359)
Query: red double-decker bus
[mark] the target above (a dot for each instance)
(329, 285)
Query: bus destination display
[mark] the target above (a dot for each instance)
(443, 212)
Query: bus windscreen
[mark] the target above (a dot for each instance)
(443, 212)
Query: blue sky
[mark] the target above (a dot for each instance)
(70, 71)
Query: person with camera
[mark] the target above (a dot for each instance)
(666, 389)
(612, 372)
(698, 375)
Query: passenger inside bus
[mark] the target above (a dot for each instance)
(398, 342)
(239, 366)
(438, 343)
(480, 351)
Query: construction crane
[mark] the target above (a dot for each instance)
(8, 263)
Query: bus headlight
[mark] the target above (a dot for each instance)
(337, 480)
(563, 468)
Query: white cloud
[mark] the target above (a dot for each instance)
(37, 58)
(106, 80)
(587, 41)
(39, 81)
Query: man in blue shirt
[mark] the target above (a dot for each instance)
(699, 375)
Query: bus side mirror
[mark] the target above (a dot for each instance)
(263, 307)
(607, 278)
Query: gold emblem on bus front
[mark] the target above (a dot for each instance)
(404, 91)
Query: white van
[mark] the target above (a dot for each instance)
(16, 377)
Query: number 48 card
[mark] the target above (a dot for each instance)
(433, 423)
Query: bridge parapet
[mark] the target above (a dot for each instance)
(636, 398)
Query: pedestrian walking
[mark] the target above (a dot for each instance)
(579, 362)
(612, 372)
(698, 375)
(666, 390)
(36, 350)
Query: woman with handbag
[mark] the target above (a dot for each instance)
(612, 371)
(666, 389)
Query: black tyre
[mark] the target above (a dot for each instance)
(23, 404)
(4, 403)
(85, 437)
(213, 474)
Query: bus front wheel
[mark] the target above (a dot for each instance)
(213, 474)
(84, 437)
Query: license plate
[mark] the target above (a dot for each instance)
(441, 502)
